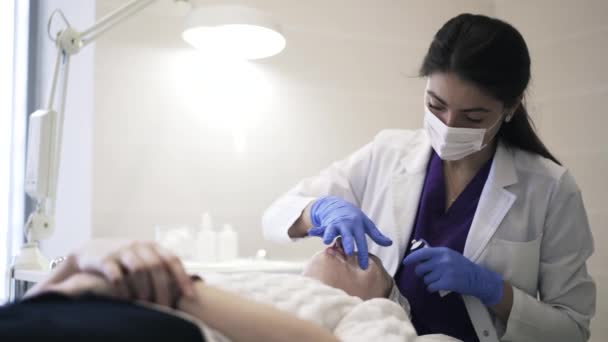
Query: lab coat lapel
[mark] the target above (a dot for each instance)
(406, 187)
(494, 203)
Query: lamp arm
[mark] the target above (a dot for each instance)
(69, 42)
(57, 142)
(112, 19)
(45, 133)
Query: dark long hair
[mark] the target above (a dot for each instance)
(493, 55)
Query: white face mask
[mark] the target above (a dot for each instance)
(451, 143)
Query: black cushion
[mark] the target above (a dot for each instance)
(54, 317)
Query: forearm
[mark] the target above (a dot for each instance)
(503, 308)
(241, 319)
(300, 228)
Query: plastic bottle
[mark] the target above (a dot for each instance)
(228, 244)
(206, 241)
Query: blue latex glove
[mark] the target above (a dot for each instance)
(332, 216)
(446, 269)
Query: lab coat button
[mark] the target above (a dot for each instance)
(486, 333)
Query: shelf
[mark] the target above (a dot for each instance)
(240, 265)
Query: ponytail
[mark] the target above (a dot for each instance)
(521, 133)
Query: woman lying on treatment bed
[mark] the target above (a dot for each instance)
(333, 299)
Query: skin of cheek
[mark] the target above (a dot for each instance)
(348, 276)
(370, 283)
(492, 134)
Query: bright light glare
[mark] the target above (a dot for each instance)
(236, 41)
(225, 94)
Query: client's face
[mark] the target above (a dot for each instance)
(332, 267)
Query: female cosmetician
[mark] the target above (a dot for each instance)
(506, 233)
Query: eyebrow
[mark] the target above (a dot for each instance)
(467, 110)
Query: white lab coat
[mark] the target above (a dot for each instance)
(530, 226)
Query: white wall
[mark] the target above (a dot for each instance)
(568, 41)
(160, 154)
(73, 213)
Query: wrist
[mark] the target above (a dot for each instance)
(306, 217)
(503, 308)
(194, 303)
(321, 207)
(301, 226)
(492, 288)
(312, 211)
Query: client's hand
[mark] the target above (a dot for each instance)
(81, 283)
(137, 270)
(69, 280)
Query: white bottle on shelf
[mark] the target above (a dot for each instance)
(228, 244)
(206, 240)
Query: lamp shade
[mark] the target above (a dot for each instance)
(233, 31)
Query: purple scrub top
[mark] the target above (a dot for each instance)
(432, 314)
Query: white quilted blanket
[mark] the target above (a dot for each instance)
(348, 317)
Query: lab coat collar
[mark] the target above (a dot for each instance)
(503, 173)
(406, 186)
(494, 203)
(417, 160)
